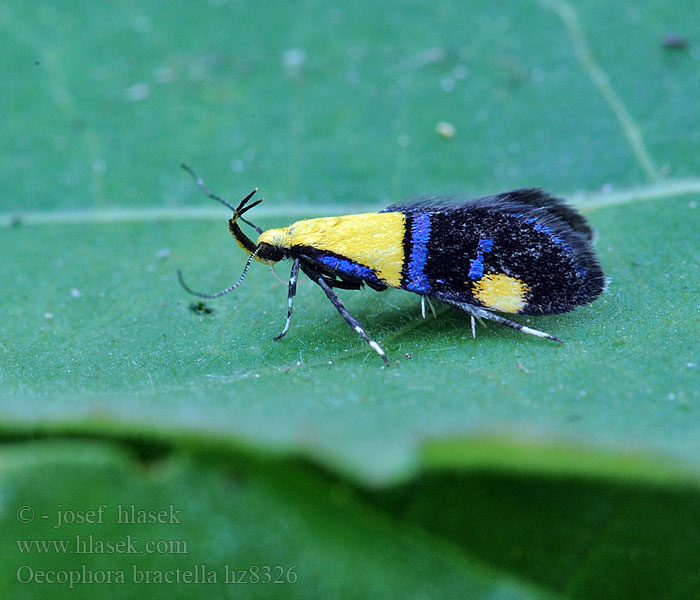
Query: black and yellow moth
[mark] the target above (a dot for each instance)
(519, 252)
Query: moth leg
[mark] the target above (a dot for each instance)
(432, 308)
(290, 298)
(423, 300)
(517, 326)
(350, 320)
(475, 311)
(473, 320)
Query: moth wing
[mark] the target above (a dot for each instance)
(526, 197)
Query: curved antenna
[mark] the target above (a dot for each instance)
(225, 290)
(237, 212)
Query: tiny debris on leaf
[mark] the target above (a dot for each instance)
(200, 308)
(523, 368)
(445, 129)
(673, 41)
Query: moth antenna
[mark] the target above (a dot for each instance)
(237, 211)
(258, 230)
(202, 186)
(225, 290)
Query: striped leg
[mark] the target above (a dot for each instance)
(290, 298)
(481, 313)
(340, 307)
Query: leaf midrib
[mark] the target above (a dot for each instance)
(587, 201)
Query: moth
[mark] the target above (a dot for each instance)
(519, 252)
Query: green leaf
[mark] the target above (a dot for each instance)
(182, 529)
(332, 109)
(128, 354)
(580, 537)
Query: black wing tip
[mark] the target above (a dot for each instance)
(538, 198)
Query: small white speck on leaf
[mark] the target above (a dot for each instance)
(99, 165)
(428, 56)
(459, 72)
(137, 92)
(447, 84)
(165, 75)
(445, 129)
(141, 24)
(537, 75)
(293, 59)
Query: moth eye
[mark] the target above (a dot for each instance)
(271, 253)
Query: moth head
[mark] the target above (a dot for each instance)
(274, 245)
(266, 250)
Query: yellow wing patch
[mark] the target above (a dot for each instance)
(501, 292)
(374, 240)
